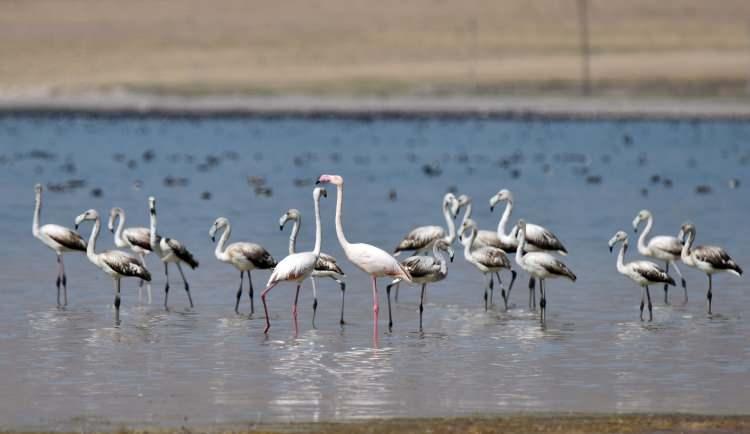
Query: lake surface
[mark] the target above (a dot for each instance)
(72, 369)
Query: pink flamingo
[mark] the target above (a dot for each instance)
(296, 267)
(370, 259)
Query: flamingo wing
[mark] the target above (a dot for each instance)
(65, 237)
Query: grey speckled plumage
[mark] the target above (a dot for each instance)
(328, 263)
(651, 272)
(717, 257)
(139, 237)
(557, 267)
(67, 238)
(182, 252)
(125, 264)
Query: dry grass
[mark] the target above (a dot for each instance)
(370, 47)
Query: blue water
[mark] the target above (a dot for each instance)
(73, 369)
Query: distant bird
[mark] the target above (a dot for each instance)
(58, 238)
(115, 263)
(538, 239)
(370, 259)
(424, 270)
(136, 239)
(169, 250)
(242, 255)
(644, 273)
(486, 259)
(708, 259)
(326, 265)
(297, 266)
(541, 265)
(662, 247)
(421, 239)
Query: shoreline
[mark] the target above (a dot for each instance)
(449, 107)
(522, 423)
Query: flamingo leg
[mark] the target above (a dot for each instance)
(59, 278)
(315, 300)
(251, 293)
(502, 290)
(187, 286)
(666, 286)
(239, 294)
(421, 305)
(294, 309)
(532, 293)
(650, 306)
(117, 301)
(166, 285)
(542, 300)
(343, 292)
(709, 295)
(64, 282)
(492, 289)
(375, 305)
(388, 293)
(395, 298)
(513, 275)
(489, 284)
(143, 282)
(265, 306)
(682, 280)
(643, 300)
(140, 291)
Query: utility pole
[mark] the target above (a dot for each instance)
(583, 27)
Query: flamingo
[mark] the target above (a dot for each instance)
(708, 259)
(541, 265)
(370, 259)
(136, 239)
(644, 273)
(486, 259)
(421, 239)
(58, 238)
(297, 266)
(245, 257)
(169, 250)
(115, 263)
(539, 239)
(424, 270)
(662, 247)
(326, 265)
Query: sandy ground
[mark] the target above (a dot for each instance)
(360, 47)
(518, 424)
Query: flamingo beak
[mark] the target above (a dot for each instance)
(76, 226)
(610, 249)
(492, 208)
(281, 227)
(213, 239)
(317, 182)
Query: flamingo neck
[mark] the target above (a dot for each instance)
(37, 212)
(451, 225)
(685, 254)
(501, 226)
(621, 257)
(642, 239)
(152, 235)
(340, 227)
(220, 250)
(467, 213)
(91, 248)
(318, 229)
(293, 235)
(521, 246)
(438, 254)
(468, 243)
(118, 232)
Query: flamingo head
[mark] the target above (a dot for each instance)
(330, 179)
(152, 205)
(619, 236)
(291, 214)
(467, 226)
(219, 223)
(113, 214)
(502, 195)
(318, 192)
(686, 229)
(38, 189)
(444, 246)
(88, 215)
(644, 214)
(451, 204)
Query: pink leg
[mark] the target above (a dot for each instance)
(294, 309)
(265, 306)
(375, 306)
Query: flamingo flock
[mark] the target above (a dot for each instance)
(537, 251)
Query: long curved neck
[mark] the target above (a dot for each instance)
(120, 225)
(521, 245)
(685, 254)
(467, 213)
(621, 257)
(501, 227)
(152, 234)
(451, 225)
(293, 235)
(91, 248)
(37, 212)
(470, 242)
(642, 239)
(220, 249)
(318, 228)
(339, 227)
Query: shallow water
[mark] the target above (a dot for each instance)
(68, 368)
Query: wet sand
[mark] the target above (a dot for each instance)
(511, 424)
